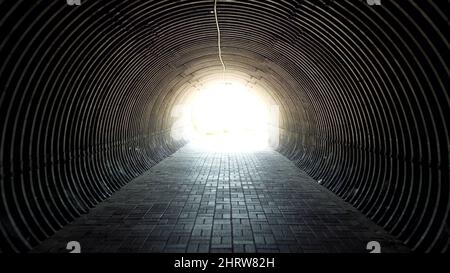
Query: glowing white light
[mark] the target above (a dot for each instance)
(227, 117)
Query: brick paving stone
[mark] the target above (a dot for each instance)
(201, 201)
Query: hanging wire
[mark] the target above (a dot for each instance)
(218, 39)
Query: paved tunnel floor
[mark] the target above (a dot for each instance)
(199, 201)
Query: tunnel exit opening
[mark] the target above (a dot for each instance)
(227, 116)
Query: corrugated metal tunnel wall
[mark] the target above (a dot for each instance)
(87, 91)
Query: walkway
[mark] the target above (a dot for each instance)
(199, 201)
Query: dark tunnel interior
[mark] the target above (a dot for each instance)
(87, 93)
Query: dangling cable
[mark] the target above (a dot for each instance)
(218, 39)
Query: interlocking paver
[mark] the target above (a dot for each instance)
(201, 201)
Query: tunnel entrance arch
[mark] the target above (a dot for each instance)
(228, 115)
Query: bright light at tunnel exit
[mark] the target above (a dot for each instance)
(227, 116)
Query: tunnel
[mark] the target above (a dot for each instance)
(90, 92)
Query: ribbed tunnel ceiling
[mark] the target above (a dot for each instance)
(87, 95)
